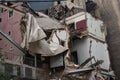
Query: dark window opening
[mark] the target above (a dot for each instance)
(35, 62)
(74, 57)
(48, 33)
(1, 10)
(62, 43)
(9, 33)
(59, 1)
(0, 19)
(72, 1)
(10, 14)
(29, 60)
(9, 4)
(38, 60)
(72, 26)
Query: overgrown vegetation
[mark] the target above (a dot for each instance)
(4, 76)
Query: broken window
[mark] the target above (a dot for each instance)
(10, 14)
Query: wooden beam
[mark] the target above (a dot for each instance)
(12, 9)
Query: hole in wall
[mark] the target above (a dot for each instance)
(9, 33)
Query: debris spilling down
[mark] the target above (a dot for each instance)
(73, 39)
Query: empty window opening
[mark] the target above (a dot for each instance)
(38, 60)
(29, 60)
(10, 14)
(1, 10)
(9, 33)
(0, 20)
(74, 57)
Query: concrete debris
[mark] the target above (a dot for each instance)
(34, 38)
(62, 11)
(68, 63)
(66, 37)
(33, 31)
(70, 40)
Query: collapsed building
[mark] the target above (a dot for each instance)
(66, 44)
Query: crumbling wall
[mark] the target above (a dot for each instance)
(110, 14)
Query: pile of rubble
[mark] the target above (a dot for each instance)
(72, 38)
(69, 39)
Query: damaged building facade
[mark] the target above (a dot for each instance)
(68, 42)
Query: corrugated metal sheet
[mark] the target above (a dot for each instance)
(98, 49)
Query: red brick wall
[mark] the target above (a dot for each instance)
(10, 25)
